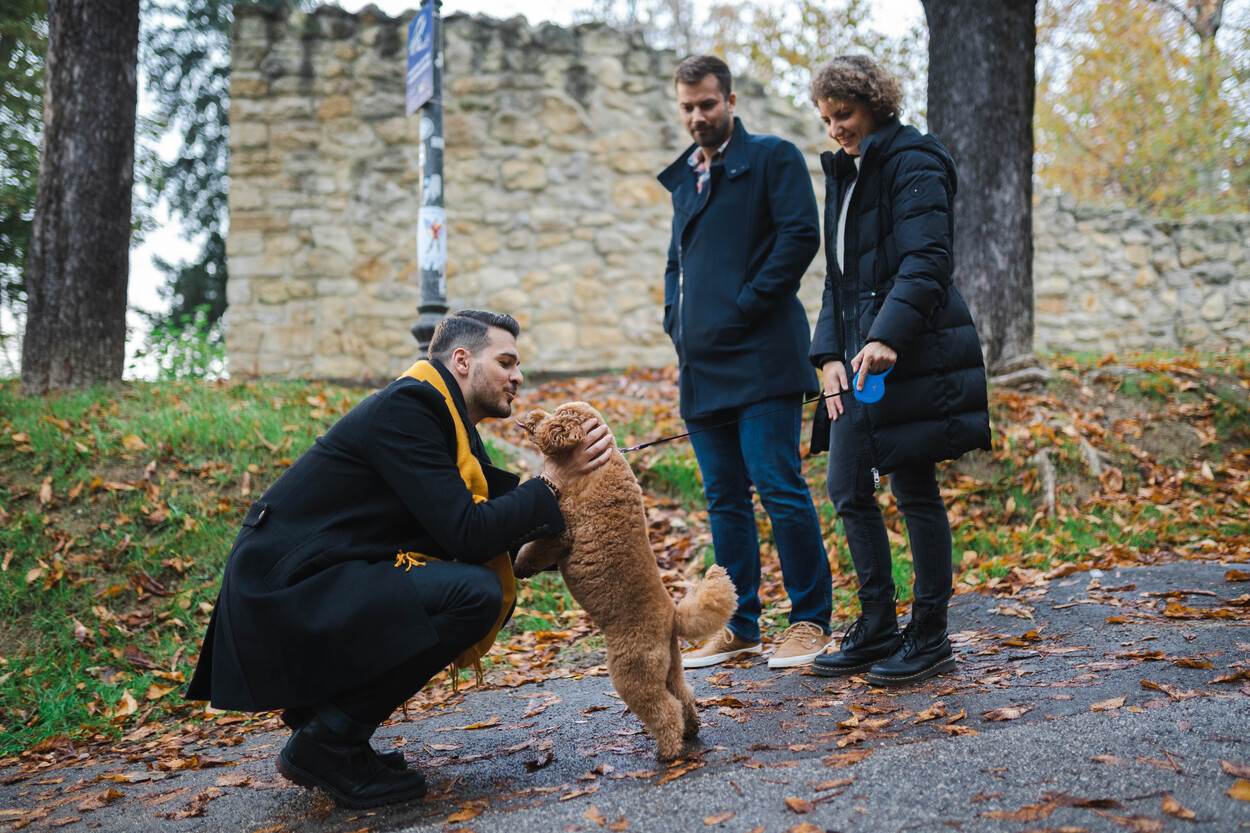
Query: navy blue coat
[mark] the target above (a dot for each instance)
(736, 256)
(897, 289)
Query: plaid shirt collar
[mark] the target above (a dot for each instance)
(701, 167)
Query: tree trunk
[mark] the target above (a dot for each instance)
(80, 242)
(981, 81)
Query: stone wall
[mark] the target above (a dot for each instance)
(1112, 280)
(553, 139)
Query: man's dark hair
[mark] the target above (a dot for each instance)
(469, 329)
(697, 67)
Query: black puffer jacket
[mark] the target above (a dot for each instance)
(897, 289)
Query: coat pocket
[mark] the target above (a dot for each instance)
(285, 568)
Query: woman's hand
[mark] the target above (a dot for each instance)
(594, 451)
(876, 357)
(833, 380)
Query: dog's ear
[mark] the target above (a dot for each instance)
(530, 422)
(561, 432)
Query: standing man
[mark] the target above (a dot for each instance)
(745, 229)
(381, 556)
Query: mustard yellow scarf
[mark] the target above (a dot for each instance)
(475, 481)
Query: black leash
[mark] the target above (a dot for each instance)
(663, 440)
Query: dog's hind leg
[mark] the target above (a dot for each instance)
(640, 679)
(681, 690)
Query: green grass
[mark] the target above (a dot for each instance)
(118, 570)
(676, 474)
(105, 588)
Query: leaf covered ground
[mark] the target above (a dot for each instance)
(118, 506)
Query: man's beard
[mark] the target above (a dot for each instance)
(489, 399)
(714, 136)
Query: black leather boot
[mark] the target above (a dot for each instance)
(872, 637)
(295, 717)
(925, 652)
(345, 767)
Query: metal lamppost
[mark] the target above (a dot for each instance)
(425, 92)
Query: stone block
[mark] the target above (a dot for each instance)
(526, 174)
(561, 115)
(639, 191)
(1214, 307)
(1137, 255)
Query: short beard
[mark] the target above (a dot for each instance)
(482, 394)
(716, 138)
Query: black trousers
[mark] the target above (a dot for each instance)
(462, 602)
(853, 494)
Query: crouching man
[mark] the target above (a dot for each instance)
(380, 557)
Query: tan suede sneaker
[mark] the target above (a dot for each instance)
(801, 643)
(725, 645)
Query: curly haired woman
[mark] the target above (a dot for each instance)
(890, 305)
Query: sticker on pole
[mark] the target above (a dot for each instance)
(421, 58)
(432, 239)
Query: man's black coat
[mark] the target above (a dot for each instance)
(310, 603)
(896, 288)
(737, 253)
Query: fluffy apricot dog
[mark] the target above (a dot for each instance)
(607, 563)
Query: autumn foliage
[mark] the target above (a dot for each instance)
(118, 506)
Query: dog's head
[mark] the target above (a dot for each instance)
(561, 431)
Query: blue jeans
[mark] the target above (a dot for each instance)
(762, 449)
(854, 495)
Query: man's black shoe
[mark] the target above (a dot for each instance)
(925, 652)
(870, 638)
(349, 770)
(295, 718)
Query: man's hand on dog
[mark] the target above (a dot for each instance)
(594, 451)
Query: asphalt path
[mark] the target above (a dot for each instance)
(1056, 719)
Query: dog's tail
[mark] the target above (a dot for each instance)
(707, 607)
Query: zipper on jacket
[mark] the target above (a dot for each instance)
(876, 479)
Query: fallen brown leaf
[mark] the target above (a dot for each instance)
(592, 814)
(1108, 705)
(833, 785)
(1029, 812)
(544, 759)
(719, 818)
(1193, 662)
(1233, 676)
(1174, 808)
(1240, 790)
(1235, 770)
(1237, 575)
(932, 713)
(805, 827)
(677, 770)
(845, 758)
(467, 812)
(799, 805)
(493, 720)
(195, 807)
(580, 793)
(1007, 712)
(102, 799)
